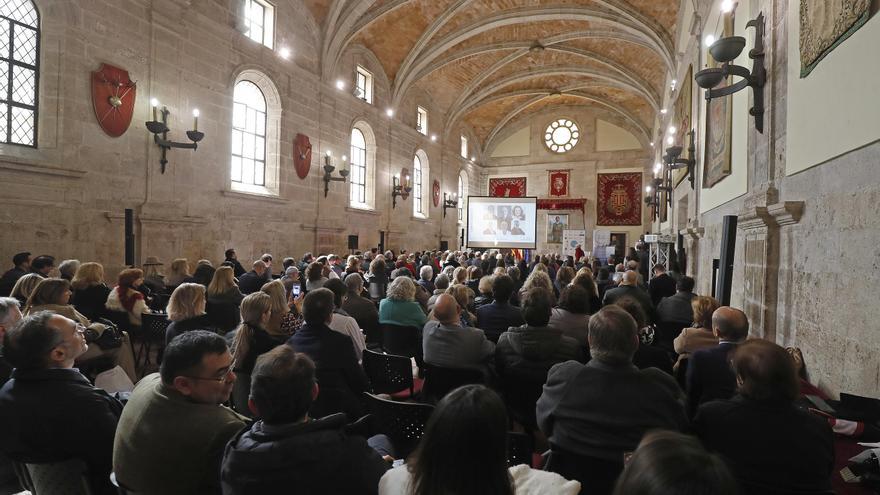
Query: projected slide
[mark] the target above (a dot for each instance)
(502, 222)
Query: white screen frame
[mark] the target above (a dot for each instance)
(475, 205)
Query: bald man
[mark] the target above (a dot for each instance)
(446, 343)
(709, 375)
(629, 287)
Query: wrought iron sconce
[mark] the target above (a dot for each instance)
(399, 189)
(328, 172)
(673, 162)
(652, 199)
(157, 126)
(725, 51)
(449, 203)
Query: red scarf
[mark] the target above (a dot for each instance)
(127, 300)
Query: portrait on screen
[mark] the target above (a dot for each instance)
(555, 225)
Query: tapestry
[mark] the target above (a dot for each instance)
(719, 125)
(619, 200)
(825, 24)
(683, 112)
(509, 187)
(558, 183)
(561, 204)
(555, 225)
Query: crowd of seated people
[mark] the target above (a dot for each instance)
(567, 355)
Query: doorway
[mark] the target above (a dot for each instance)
(618, 240)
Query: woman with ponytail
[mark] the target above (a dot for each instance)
(252, 339)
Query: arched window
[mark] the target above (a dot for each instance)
(19, 71)
(462, 194)
(363, 159)
(256, 127)
(421, 185)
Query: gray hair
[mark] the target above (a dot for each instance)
(30, 341)
(442, 282)
(538, 278)
(426, 272)
(613, 335)
(354, 282)
(513, 272)
(6, 305)
(68, 268)
(402, 289)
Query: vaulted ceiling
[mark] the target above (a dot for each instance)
(486, 62)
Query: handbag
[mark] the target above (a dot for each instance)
(104, 333)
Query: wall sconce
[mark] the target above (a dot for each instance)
(725, 51)
(157, 126)
(673, 162)
(652, 199)
(399, 189)
(449, 203)
(328, 172)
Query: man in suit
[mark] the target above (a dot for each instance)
(253, 280)
(662, 285)
(629, 286)
(677, 309)
(21, 267)
(593, 413)
(709, 375)
(447, 343)
(497, 317)
(359, 307)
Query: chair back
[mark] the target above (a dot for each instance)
(241, 392)
(388, 373)
(120, 319)
(225, 317)
(376, 290)
(335, 396)
(153, 327)
(597, 476)
(401, 340)
(521, 392)
(665, 332)
(403, 422)
(519, 449)
(68, 477)
(439, 381)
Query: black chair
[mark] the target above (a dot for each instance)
(665, 332)
(681, 373)
(597, 476)
(335, 396)
(519, 449)
(376, 291)
(403, 422)
(402, 341)
(439, 381)
(224, 317)
(241, 392)
(70, 477)
(152, 331)
(388, 373)
(521, 392)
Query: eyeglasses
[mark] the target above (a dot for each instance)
(228, 376)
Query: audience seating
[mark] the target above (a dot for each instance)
(597, 476)
(152, 331)
(68, 477)
(225, 317)
(390, 374)
(377, 291)
(335, 396)
(521, 393)
(439, 381)
(403, 422)
(519, 449)
(241, 392)
(402, 341)
(665, 333)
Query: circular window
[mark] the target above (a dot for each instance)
(561, 135)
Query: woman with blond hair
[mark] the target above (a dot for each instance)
(252, 338)
(400, 307)
(126, 298)
(464, 296)
(24, 286)
(286, 318)
(89, 290)
(222, 289)
(53, 295)
(186, 310)
(538, 278)
(459, 276)
(179, 272)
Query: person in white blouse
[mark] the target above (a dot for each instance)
(342, 322)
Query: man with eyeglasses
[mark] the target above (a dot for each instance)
(49, 411)
(171, 435)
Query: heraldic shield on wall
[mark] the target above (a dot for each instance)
(113, 98)
(302, 155)
(619, 199)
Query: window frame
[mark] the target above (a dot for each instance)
(462, 194)
(362, 73)
(422, 120)
(417, 186)
(268, 22)
(10, 62)
(273, 153)
(464, 147)
(359, 162)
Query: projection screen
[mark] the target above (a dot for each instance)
(502, 222)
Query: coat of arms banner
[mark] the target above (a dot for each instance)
(511, 187)
(619, 200)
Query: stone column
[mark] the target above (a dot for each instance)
(761, 226)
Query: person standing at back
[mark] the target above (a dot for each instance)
(21, 266)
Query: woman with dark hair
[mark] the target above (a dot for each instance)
(464, 452)
(315, 276)
(572, 315)
(670, 463)
(771, 445)
(646, 356)
(126, 298)
(203, 275)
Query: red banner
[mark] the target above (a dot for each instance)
(511, 187)
(562, 204)
(559, 183)
(619, 199)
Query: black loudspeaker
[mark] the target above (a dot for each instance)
(725, 274)
(129, 237)
(381, 241)
(444, 245)
(352, 242)
(461, 239)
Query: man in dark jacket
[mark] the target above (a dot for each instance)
(232, 260)
(359, 307)
(677, 309)
(497, 317)
(342, 378)
(709, 376)
(253, 280)
(662, 285)
(49, 411)
(289, 451)
(21, 266)
(447, 343)
(629, 286)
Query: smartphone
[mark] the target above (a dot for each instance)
(295, 290)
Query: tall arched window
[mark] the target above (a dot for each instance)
(256, 129)
(462, 194)
(421, 185)
(19, 71)
(363, 160)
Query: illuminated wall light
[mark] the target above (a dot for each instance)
(663, 111)
(433, 137)
(670, 140)
(648, 189)
(727, 6)
(709, 40)
(652, 144)
(672, 129)
(284, 53)
(389, 112)
(340, 84)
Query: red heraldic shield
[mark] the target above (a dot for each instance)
(113, 98)
(619, 201)
(436, 191)
(302, 155)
